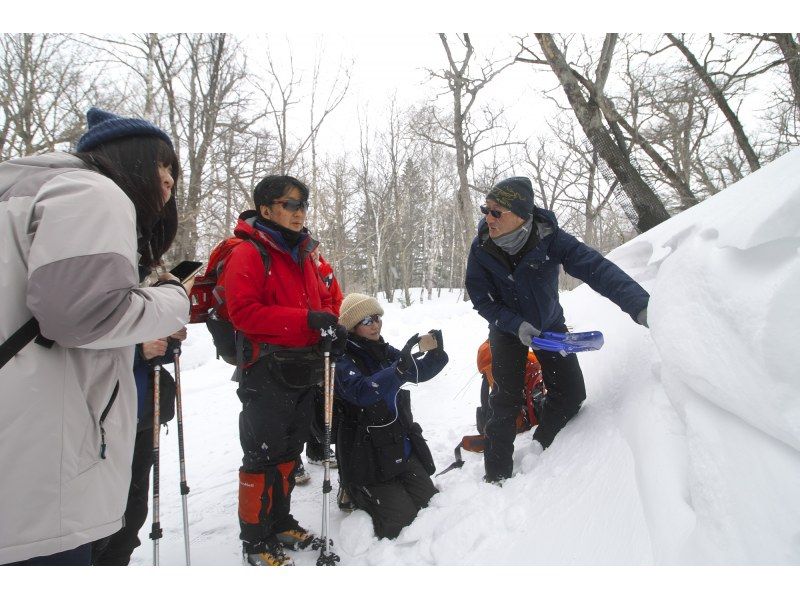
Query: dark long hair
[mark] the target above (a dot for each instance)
(132, 163)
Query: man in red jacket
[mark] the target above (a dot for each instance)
(282, 313)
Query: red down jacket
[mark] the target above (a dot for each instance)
(273, 307)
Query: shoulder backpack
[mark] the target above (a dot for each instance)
(534, 391)
(208, 298)
(17, 341)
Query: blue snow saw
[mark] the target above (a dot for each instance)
(568, 342)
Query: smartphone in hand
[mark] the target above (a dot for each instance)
(427, 342)
(186, 270)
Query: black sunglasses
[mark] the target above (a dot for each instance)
(495, 213)
(369, 320)
(293, 205)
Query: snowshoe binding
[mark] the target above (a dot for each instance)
(271, 555)
(296, 538)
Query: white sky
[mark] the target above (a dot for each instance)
(360, 17)
(392, 43)
(386, 65)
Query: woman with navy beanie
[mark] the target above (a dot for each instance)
(75, 229)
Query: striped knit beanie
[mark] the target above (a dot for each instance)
(515, 194)
(106, 126)
(356, 307)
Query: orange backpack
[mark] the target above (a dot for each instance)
(534, 394)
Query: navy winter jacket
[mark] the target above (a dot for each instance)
(380, 381)
(506, 296)
(377, 432)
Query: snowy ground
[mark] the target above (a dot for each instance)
(687, 450)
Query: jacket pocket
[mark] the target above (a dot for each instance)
(103, 417)
(388, 442)
(421, 448)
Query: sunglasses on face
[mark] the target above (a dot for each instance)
(369, 320)
(495, 213)
(293, 205)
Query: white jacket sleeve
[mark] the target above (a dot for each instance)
(82, 268)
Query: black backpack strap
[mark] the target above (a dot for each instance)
(264, 253)
(17, 341)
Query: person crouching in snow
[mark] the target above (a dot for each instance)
(512, 279)
(384, 463)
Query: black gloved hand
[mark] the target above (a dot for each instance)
(321, 320)
(406, 364)
(339, 341)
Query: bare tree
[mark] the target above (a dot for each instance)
(789, 46)
(283, 92)
(607, 142)
(45, 89)
(717, 92)
(200, 75)
(462, 132)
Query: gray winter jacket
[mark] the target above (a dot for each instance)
(68, 256)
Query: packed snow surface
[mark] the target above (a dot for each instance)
(686, 451)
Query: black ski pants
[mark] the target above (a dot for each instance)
(118, 548)
(273, 426)
(80, 556)
(394, 504)
(565, 393)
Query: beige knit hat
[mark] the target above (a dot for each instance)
(356, 307)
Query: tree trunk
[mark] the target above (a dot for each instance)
(649, 209)
(790, 49)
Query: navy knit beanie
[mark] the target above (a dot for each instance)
(105, 126)
(515, 194)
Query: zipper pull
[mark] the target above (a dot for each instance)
(102, 443)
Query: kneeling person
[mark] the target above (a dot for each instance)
(384, 463)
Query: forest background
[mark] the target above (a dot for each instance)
(399, 135)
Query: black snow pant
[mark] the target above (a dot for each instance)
(565, 393)
(273, 425)
(82, 555)
(117, 548)
(394, 504)
(315, 450)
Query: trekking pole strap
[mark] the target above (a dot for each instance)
(457, 464)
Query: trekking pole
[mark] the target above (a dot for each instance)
(155, 532)
(184, 486)
(327, 556)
